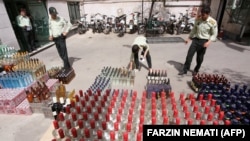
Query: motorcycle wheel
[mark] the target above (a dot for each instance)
(161, 29)
(141, 30)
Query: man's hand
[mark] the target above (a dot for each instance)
(207, 44)
(51, 38)
(187, 40)
(64, 33)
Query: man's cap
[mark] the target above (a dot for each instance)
(52, 10)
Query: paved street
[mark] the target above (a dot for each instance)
(89, 53)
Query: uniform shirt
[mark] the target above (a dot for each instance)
(23, 21)
(141, 41)
(205, 29)
(58, 26)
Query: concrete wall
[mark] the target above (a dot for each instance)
(7, 34)
(112, 7)
(232, 30)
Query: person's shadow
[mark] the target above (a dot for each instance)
(73, 59)
(178, 66)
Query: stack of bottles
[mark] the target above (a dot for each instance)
(101, 83)
(120, 114)
(66, 76)
(158, 81)
(39, 93)
(34, 66)
(209, 83)
(18, 79)
(235, 102)
(120, 77)
(6, 51)
(53, 72)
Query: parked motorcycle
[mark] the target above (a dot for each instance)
(98, 25)
(185, 24)
(120, 25)
(152, 25)
(107, 24)
(82, 24)
(133, 23)
(171, 23)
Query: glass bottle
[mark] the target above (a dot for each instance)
(29, 96)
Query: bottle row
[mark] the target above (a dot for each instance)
(118, 73)
(122, 112)
(38, 93)
(158, 77)
(18, 79)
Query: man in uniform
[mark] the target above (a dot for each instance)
(24, 23)
(140, 45)
(58, 29)
(204, 32)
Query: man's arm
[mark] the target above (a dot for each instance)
(19, 22)
(67, 27)
(214, 32)
(50, 31)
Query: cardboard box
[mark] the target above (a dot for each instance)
(24, 108)
(12, 97)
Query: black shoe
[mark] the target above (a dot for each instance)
(182, 73)
(195, 73)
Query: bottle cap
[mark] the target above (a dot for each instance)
(116, 126)
(213, 102)
(125, 136)
(130, 118)
(67, 101)
(87, 133)
(68, 124)
(92, 124)
(165, 120)
(190, 121)
(54, 99)
(227, 122)
(177, 121)
(201, 96)
(187, 115)
(56, 125)
(175, 113)
(215, 122)
(61, 117)
(182, 96)
(202, 122)
(217, 109)
(209, 97)
(221, 115)
(99, 134)
(210, 117)
(193, 102)
(74, 132)
(198, 116)
(80, 124)
(153, 120)
(195, 108)
(85, 116)
(207, 109)
(112, 135)
(128, 127)
(104, 125)
(139, 137)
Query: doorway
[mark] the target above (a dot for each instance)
(39, 19)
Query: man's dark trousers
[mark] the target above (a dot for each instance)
(29, 38)
(197, 46)
(60, 43)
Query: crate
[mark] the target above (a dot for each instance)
(47, 112)
(37, 107)
(157, 88)
(12, 97)
(66, 77)
(24, 108)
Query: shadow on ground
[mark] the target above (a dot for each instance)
(178, 66)
(73, 59)
(234, 46)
